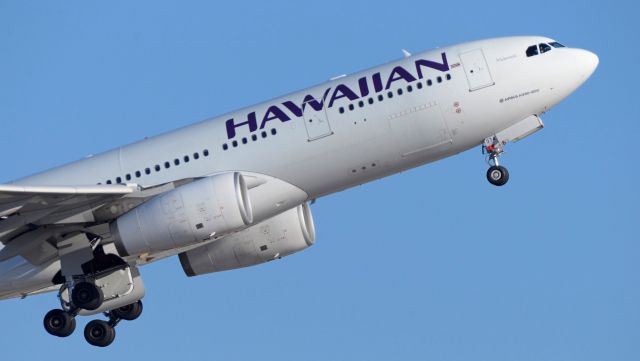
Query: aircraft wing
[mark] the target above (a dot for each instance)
(24, 208)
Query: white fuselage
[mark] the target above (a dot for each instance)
(414, 111)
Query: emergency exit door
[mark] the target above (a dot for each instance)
(316, 122)
(476, 69)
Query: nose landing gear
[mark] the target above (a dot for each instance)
(496, 174)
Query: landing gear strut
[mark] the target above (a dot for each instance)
(496, 174)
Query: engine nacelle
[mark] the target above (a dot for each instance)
(185, 216)
(279, 236)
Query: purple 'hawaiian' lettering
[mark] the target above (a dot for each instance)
(432, 64)
(342, 91)
(274, 113)
(364, 86)
(251, 121)
(399, 73)
(377, 82)
(293, 108)
(313, 102)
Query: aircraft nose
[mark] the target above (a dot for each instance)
(587, 63)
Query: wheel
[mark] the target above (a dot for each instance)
(99, 333)
(59, 323)
(498, 175)
(86, 295)
(128, 312)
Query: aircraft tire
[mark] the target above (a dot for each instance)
(59, 323)
(498, 175)
(99, 333)
(87, 296)
(129, 312)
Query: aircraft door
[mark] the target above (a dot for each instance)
(476, 69)
(316, 122)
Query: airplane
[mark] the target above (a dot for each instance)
(235, 190)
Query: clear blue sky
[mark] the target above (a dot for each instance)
(430, 264)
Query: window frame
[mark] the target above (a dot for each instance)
(547, 48)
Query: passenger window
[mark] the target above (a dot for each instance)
(532, 50)
(118, 180)
(128, 177)
(147, 171)
(138, 174)
(544, 48)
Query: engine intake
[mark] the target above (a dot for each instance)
(185, 216)
(279, 236)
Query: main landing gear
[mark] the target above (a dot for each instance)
(91, 282)
(98, 333)
(496, 174)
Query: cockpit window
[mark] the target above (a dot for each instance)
(532, 50)
(544, 48)
(556, 44)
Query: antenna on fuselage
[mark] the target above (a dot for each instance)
(406, 53)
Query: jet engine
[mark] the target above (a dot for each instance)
(276, 237)
(187, 215)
